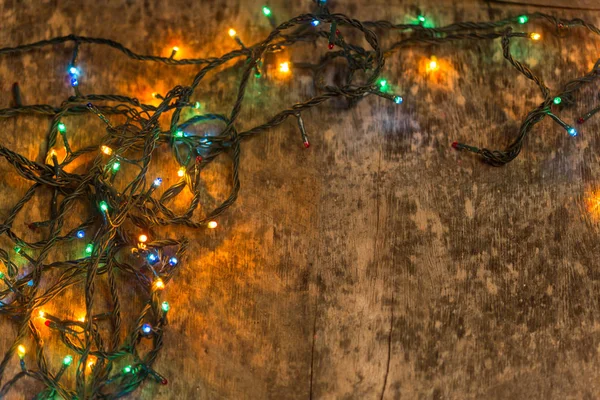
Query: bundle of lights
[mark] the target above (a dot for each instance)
(115, 237)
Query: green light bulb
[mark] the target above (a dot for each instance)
(116, 166)
(165, 306)
(179, 134)
(421, 18)
(89, 248)
(2, 277)
(17, 249)
(67, 361)
(197, 105)
(523, 19)
(127, 369)
(266, 10)
(103, 206)
(62, 128)
(557, 100)
(383, 84)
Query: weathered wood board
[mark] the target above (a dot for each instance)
(379, 263)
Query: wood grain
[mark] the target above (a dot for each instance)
(379, 263)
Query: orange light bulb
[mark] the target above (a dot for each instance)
(212, 224)
(143, 238)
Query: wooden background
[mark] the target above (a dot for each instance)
(379, 263)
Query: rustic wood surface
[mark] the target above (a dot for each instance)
(379, 263)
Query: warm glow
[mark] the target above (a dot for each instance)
(90, 364)
(21, 350)
(154, 94)
(284, 67)
(433, 65)
(106, 150)
(41, 314)
(592, 201)
(175, 49)
(212, 224)
(535, 36)
(159, 284)
(232, 32)
(143, 238)
(181, 172)
(81, 318)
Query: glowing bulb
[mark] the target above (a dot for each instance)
(398, 99)
(1, 275)
(62, 127)
(523, 19)
(41, 314)
(557, 100)
(284, 67)
(181, 172)
(382, 84)
(433, 65)
(103, 206)
(212, 224)
(81, 234)
(173, 261)
(197, 105)
(74, 71)
(89, 248)
(266, 10)
(81, 318)
(175, 49)
(127, 369)
(67, 360)
(146, 328)
(143, 238)
(159, 284)
(165, 306)
(154, 95)
(74, 81)
(106, 150)
(21, 351)
(90, 364)
(315, 22)
(152, 258)
(232, 32)
(179, 133)
(157, 182)
(535, 36)
(421, 18)
(17, 249)
(572, 131)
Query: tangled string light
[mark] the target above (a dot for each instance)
(108, 367)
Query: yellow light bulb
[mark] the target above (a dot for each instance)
(143, 238)
(106, 150)
(90, 364)
(41, 314)
(232, 32)
(535, 36)
(284, 67)
(212, 224)
(181, 172)
(175, 48)
(21, 351)
(159, 284)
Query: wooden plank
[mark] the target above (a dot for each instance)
(379, 263)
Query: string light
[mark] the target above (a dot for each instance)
(267, 11)
(197, 105)
(557, 100)
(61, 127)
(181, 172)
(146, 329)
(232, 33)
(41, 314)
(127, 369)
(284, 67)
(21, 351)
(398, 99)
(103, 206)
(165, 306)
(157, 182)
(523, 19)
(81, 234)
(315, 22)
(152, 258)
(116, 166)
(179, 134)
(89, 248)
(421, 19)
(159, 284)
(572, 131)
(67, 360)
(212, 224)
(173, 261)
(383, 84)
(74, 71)
(106, 150)
(143, 238)
(535, 36)
(175, 49)
(432, 65)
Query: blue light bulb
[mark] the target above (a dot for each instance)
(157, 181)
(398, 99)
(81, 234)
(146, 328)
(572, 131)
(30, 283)
(152, 257)
(74, 82)
(74, 71)
(173, 261)
(315, 22)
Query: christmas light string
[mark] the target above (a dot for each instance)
(115, 238)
